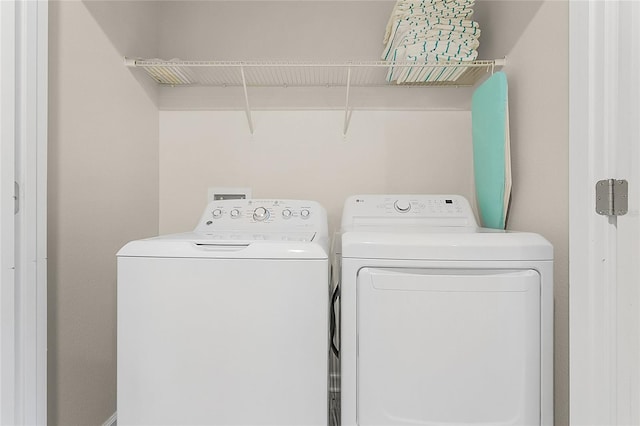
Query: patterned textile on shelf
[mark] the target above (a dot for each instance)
(430, 31)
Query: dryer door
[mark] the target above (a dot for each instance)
(443, 347)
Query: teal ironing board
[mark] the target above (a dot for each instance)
(491, 151)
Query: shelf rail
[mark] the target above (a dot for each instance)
(176, 73)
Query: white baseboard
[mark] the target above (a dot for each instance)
(112, 421)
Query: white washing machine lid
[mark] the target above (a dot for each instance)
(229, 245)
(471, 244)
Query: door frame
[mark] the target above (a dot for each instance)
(597, 396)
(23, 243)
(7, 224)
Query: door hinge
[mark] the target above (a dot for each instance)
(612, 197)
(16, 198)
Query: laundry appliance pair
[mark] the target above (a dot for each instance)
(438, 322)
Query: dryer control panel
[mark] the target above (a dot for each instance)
(263, 214)
(410, 210)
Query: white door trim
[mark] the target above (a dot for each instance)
(23, 159)
(589, 302)
(31, 220)
(7, 224)
(595, 45)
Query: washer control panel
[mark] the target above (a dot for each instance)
(396, 210)
(249, 214)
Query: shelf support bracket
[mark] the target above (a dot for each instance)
(347, 113)
(247, 109)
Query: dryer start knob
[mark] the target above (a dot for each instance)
(260, 214)
(402, 206)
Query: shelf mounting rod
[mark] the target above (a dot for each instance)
(347, 114)
(247, 109)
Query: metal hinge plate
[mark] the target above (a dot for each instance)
(612, 197)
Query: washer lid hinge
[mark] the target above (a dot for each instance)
(612, 197)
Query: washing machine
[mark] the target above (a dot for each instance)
(442, 322)
(227, 325)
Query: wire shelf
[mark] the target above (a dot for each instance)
(313, 74)
(308, 74)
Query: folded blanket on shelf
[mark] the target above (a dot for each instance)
(455, 50)
(421, 73)
(408, 8)
(411, 29)
(425, 31)
(434, 9)
(412, 14)
(439, 5)
(436, 35)
(415, 3)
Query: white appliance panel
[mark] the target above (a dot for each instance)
(398, 211)
(455, 347)
(227, 342)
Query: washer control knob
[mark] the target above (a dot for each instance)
(402, 206)
(235, 213)
(286, 213)
(305, 213)
(260, 214)
(217, 213)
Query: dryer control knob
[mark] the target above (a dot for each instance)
(235, 213)
(286, 213)
(260, 214)
(217, 213)
(402, 206)
(304, 213)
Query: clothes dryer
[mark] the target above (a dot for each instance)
(442, 322)
(227, 325)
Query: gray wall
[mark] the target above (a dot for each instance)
(302, 154)
(103, 191)
(538, 70)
